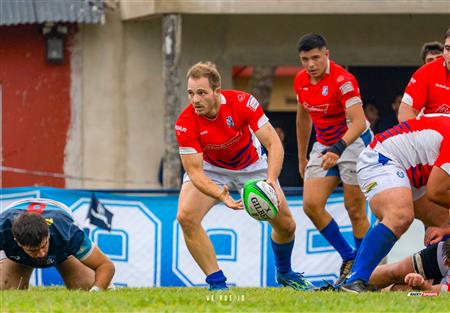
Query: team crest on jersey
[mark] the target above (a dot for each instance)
(230, 122)
(324, 90)
(400, 174)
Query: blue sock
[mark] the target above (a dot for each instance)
(357, 241)
(216, 278)
(376, 245)
(333, 235)
(283, 252)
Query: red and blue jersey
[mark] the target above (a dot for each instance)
(429, 88)
(327, 100)
(417, 145)
(225, 141)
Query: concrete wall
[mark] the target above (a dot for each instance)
(139, 9)
(122, 107)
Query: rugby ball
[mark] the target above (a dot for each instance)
(259, 199)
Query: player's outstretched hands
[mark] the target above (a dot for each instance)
(229, 201)
(435, 234)
(277, 189)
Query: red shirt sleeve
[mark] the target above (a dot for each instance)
(253, 113)
(187, 137)
(348, 90)
(443, 160)
(416, 92)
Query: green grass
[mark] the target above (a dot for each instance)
(194, 300)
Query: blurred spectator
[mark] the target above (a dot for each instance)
(373, 116)
(431, 51)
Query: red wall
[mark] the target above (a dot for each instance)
(35, 107)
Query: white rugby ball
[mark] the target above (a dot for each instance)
(259, 199)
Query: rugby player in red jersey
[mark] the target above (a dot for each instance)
(328, 98)
(429, 87)
(220, 135)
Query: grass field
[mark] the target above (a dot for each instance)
(200, 300)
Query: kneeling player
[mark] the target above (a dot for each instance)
(393, 172)
(427, 269)
(40, 233)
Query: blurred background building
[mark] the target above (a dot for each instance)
(104, 110)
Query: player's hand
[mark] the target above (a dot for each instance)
(433, 235)
(329, 160)
(302, 167)
(226, 198)
(414, 280)
(277, 189)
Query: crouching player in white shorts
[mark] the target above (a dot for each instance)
(393, 172)
(40, 233)
(218, 151)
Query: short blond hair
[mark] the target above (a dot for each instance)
(208, 70)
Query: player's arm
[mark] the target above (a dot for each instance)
(438, 186)
(270, 140)
(303, 129)
(193, 165)
(435, 234)
(355, 114)
(406, 112)
(102, 266)
(415, 96)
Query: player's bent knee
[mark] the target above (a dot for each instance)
(187, 221)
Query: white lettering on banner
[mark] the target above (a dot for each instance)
(134, 243)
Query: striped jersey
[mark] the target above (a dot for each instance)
(225, 141)
(417, 145)
(327, 100)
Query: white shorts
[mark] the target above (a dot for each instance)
(234, 179)
(377, 173)
(345, 167)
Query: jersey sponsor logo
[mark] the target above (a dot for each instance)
(241, 97)
(412, 81)
(49, 221)
(180, 128)
(443, 109)
(15, 257)
(316, 108)
(203, 132)
(346, 88)
(324, 90)
(230, 122)
(225, 145)
(400, 174)
(370, 186)
(252, 103)
(442, 86)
